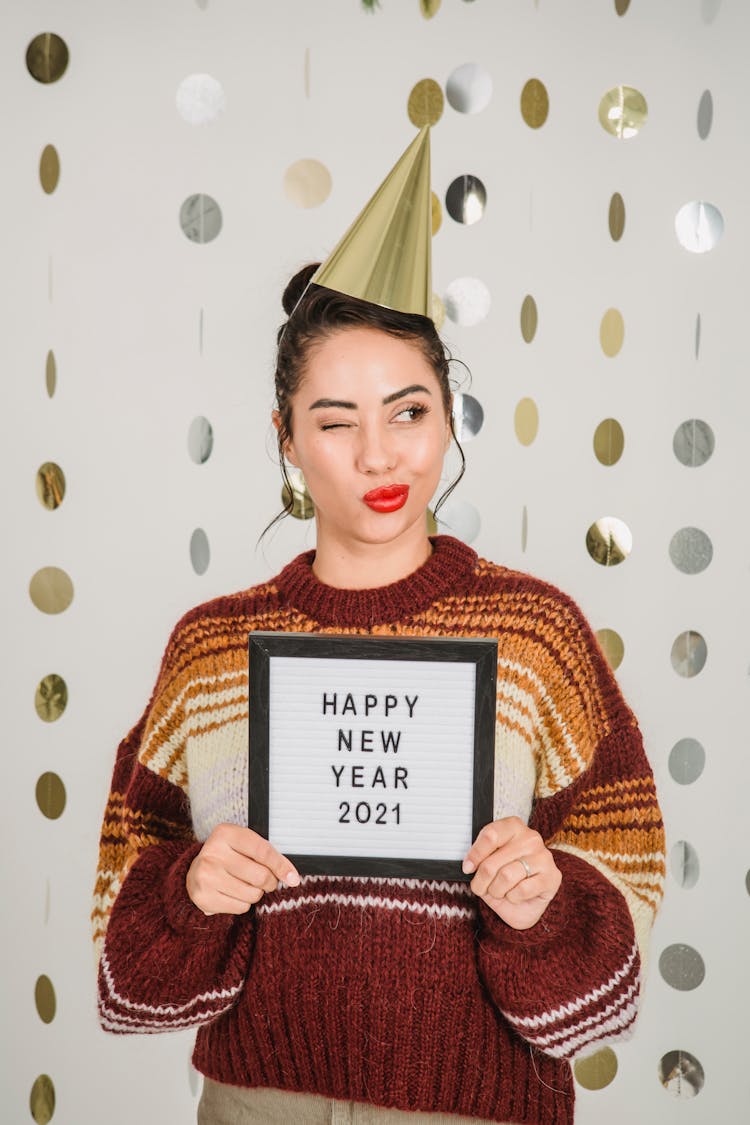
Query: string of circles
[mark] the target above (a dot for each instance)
(51, 588)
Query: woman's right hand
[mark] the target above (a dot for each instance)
(234, 869)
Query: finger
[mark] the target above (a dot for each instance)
(491, 837)
(251, 872)
(486, 874)
(544, 881)
(225, 904)
(509, 873)
(535, 887)
(226, 885)
(246, 890)
(258, 848)
(227, 838)
(502, 869)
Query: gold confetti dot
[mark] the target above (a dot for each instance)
(596, 1071)
(44, 998)
(47, 57)
(437, 213)
(51, 698)
(50, 374)
(612, 332)
(616, 217)
(49, 169)
(609, 541)
(50, 485)
(613, 647)
(526, 421)
(623, 112)
(426, 102)
(609, 441)
(534, 103)
(51, 590)
(50, 795)
(42, 1099)
(307, 183)
(529, 318)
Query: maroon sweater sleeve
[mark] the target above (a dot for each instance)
(572, 981)
(163, 964)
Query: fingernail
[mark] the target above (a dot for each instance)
(467, 867)
(292, 879)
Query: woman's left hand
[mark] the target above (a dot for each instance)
(514, 873)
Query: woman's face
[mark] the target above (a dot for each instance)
(369, 433)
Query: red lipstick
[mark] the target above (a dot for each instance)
(387, 499)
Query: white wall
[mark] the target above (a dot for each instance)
(123, 321)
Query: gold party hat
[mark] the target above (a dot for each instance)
(386, 255)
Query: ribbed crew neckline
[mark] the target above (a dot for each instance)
(446, 571)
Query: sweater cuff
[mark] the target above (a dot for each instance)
(556, 918)
(182, 914)
(545, 931)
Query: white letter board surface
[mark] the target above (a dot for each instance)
(371, 755)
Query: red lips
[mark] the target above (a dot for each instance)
(387, 499)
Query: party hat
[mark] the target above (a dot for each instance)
(386, 255)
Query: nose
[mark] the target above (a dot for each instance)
(376, 452)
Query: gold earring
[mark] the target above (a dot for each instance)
(296, 497)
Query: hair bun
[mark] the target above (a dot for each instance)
(297, 286)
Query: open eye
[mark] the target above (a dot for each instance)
(412, 413)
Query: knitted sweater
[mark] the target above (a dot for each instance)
(398, 992)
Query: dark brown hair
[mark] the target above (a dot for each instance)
(315, 313)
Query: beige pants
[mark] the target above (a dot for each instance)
(235, 1105)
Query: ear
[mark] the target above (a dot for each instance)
(287, 449)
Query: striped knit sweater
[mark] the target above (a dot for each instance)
(397, 992)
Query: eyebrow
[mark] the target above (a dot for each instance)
(328, 402)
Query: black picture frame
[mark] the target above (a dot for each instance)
(482, 652)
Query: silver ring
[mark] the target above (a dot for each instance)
(526, 867)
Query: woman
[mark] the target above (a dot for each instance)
(330, 999)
